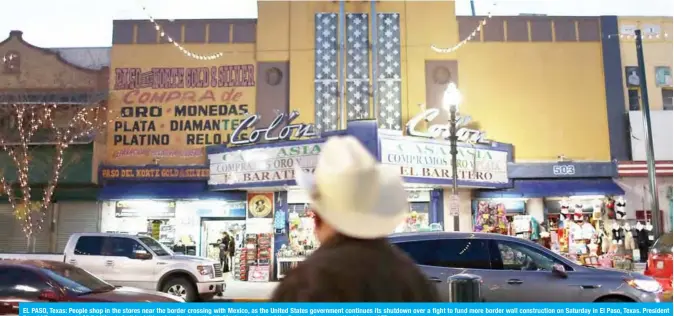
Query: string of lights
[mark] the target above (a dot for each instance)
(469, 38)
(30, 119)
(664, 35)
(180, 47)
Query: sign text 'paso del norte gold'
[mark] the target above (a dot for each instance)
(171, 114)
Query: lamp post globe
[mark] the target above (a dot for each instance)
(451, 98)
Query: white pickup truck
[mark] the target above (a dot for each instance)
(138, 261)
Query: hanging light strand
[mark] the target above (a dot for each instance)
(480, 26)
(664, 36)
(31, 118)
(181, 48)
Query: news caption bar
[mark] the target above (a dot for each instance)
(379, 309)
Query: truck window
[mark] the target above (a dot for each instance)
(20, 283)
(125, 247)
(89, 246)
(449, 253)
(158, 248)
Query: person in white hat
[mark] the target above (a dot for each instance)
(357, 202)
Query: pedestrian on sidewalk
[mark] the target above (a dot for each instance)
(357, 202)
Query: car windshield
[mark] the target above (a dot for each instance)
(77, 280)
(156, 247)
(663, 244)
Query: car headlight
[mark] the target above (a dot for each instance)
(205, 270)
(650, 286)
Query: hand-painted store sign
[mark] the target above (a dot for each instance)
(262, 165)
(267, 134)
(432, 160)
(154, 173)
(463, 133)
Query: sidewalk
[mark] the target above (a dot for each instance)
(247, 291)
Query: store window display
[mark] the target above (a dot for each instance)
(301, 238)
(491, 218)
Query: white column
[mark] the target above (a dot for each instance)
(465, 212)
(536, 208)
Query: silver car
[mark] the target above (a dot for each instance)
(518, 270)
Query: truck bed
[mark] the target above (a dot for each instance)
(33, 256)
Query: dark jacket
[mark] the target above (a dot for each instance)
(355, 270)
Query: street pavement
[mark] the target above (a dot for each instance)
(261, 291)
(246, 291)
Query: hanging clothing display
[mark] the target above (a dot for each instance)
(643, 243)
(618, 235)
(620, 211)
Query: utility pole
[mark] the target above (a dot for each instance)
(648, 132)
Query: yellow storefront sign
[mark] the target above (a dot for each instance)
(169, 112)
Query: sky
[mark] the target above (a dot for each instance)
(88, 23)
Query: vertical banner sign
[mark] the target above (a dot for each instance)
(169, 109)
(260, 213)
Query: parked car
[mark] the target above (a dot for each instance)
(48, 281)
(518, 270)
(140, 262)
(659, 264)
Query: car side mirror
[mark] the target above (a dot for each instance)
(49, 295)
(558, 270)
(142, 255)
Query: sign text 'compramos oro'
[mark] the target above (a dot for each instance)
(262, 165)
(432, 159)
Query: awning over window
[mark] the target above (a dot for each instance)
(178, 190)
(555, 188)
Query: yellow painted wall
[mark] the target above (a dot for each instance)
(147, 56)
(546, 99)
(657, 52)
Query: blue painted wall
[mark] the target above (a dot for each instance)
(618, 124)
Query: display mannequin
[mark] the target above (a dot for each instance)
(617, 233)
(597, 209)
(576, 232)
(588, 230)
(643, 242)
(605, 240)
(629, 238)
(620, 212)
(610, 209)
(578, 213)
(564, 206)
(649, 228)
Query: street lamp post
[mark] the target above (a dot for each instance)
(450, 102)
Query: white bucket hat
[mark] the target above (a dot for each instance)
(352, 192)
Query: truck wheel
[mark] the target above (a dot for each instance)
(181, 287)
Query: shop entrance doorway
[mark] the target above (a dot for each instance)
(212, 231)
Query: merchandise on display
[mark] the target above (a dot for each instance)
(491, 218)
(301, 240)
(255, 258)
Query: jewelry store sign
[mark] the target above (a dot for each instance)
(432, 160)
(262, 165)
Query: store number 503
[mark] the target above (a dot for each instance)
(563, 170)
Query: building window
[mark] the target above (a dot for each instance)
(12, 62)
(667, 99)
(633, 99)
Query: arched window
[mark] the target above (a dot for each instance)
(12, 62)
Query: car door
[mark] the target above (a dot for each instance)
(439, 259)
(123, 267)
(523, 273)
(88, 255)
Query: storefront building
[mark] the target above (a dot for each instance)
(275, 74)
(68, 78)
(626, 125)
